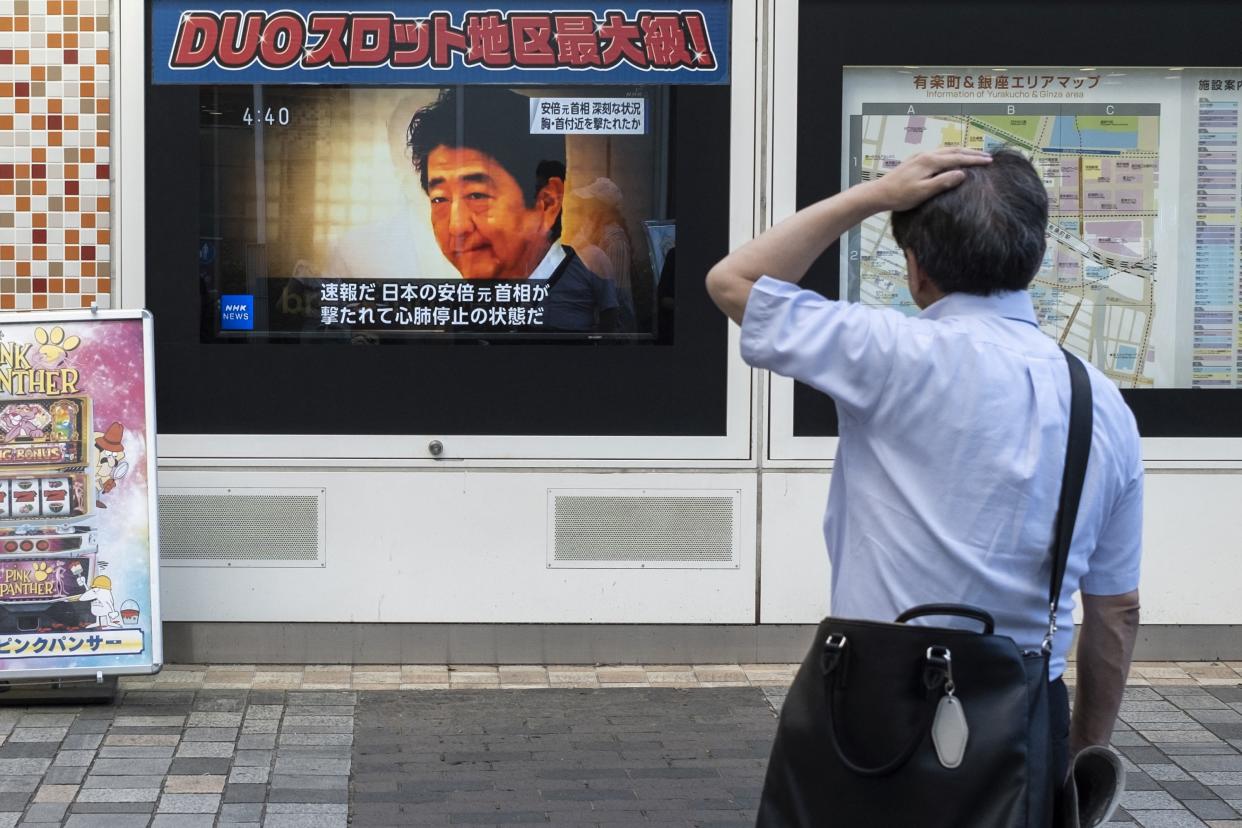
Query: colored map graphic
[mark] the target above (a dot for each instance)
(1095, 290)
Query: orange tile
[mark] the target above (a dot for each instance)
(88, 91)
(6, 24)
(23, 268)
(54, 139)
(101, 57)
(9, 302)
(104, 236)
(71, 122)
(53, 105)
(6, 122)
(71, 236)
(38, 122)
(8, 252)
(39, 301)
(53, 40)
(71, 253)
(38, 73)
(88, 219)
(23, 204)
(101, 139)
(71, 41)
(71, 286)
(22, 24)
(39, 253)
(103, 106)
(39, 187)
(39, 220)
(6, 188)
(53, 6)
(71, 172)
(22, 105)
(21, 57)
(39, 154)
(105, 285)
(88, 270)
(71, 6)
(56, 285)
(87, 155)
(71, 204)
(87, 301)
(86, 24)
(6, 90)
(104, 205)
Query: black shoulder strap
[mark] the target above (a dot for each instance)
(1077, 449)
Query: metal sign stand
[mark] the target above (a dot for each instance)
(99, 690)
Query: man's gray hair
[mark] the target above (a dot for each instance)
(984, 236)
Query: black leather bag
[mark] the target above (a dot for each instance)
(855, 746)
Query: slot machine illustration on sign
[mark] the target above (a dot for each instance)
(74, 538)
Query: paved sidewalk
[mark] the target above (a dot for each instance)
(440, 677)
(177, 751)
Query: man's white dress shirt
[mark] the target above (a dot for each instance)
(952, 445)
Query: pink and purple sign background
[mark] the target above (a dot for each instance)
(111, 361)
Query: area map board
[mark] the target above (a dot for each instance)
(1141, 271)
(78, 553)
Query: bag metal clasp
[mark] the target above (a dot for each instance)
(940, 658)
(834, 648)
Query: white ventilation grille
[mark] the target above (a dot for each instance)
(242, 527)
(630, 529)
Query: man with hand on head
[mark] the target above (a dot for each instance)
(953, 422)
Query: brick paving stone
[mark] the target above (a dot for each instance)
(200, 784)
(189, 803)
(45, 812)
(183, 821)
(1209, 809)
(264, 711)
(1167, 819)
(64, 776)
(56, 793)
(118, 795)
(27, 783)
(29, 750)
(107, 821)
(244, 812)
(37, 734)
(21, 767)
(249, 775)
(205, 750)
(192, 766)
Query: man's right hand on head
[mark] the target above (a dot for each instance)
(922, 176)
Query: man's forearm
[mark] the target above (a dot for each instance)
(1105, 646)
(787, 250)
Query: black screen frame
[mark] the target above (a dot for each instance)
(1141, 33)
(676, 388)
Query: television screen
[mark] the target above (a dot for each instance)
(346, 213)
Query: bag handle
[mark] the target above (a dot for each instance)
(935, 675)
(1077, 452)
(962, 610)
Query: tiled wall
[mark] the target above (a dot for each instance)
(55, 164)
